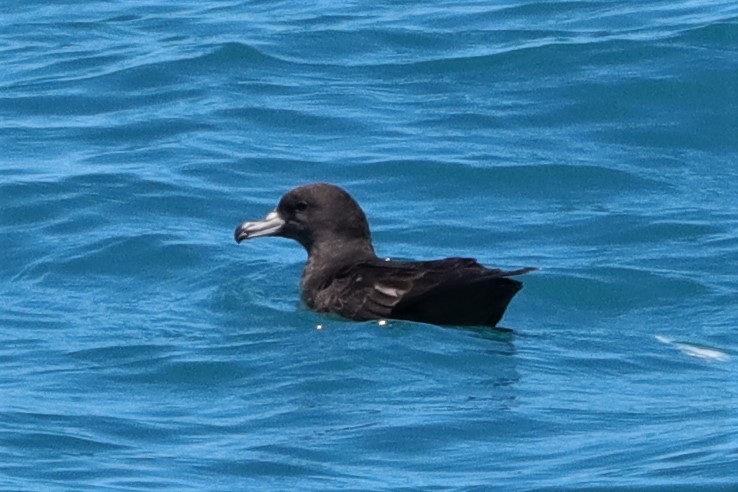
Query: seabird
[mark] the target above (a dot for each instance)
(343, 275)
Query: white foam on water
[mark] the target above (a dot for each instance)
(692, 350)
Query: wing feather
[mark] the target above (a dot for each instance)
(448, 291)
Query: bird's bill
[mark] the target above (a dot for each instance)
(271, 225)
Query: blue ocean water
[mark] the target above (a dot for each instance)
(141, 348)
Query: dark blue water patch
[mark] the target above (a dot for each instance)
(122, 433)
(57, 189)
(225, 60)
(541, 65)
(628, 229)
(318, 459)
(65, 68)
(236, 54)
(56, 443)
(155, 81)
(543, 181)
(251, 283)
(64, 435)
(77, 65)
(279, 468)
(108, 136)
(663, 231)
(706, 127)
(532, 18)
(82, 209)
(284, 174)
(181, 374)
(153, 130)
(123, 355)
(614, 290)
(469, 121)
(71, 105)
(124, 18)
(617, 80)
(32, 202)
(253, 189)
(28, 310)
(293, 121)
(143, 255)
(317, 19)
(721, 36)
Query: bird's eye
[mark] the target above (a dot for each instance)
(301, 206)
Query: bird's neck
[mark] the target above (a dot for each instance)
(326, 259)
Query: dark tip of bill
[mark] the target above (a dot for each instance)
(239, 236)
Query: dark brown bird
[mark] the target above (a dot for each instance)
(344, 276)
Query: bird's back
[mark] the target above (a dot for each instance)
(452, 291)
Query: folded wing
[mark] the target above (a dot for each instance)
(452, 291)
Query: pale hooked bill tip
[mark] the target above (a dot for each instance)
(698, 351)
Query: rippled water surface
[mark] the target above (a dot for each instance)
(141, 348)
